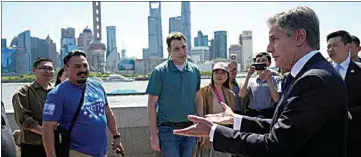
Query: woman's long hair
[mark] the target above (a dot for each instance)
(225, 84)
(60, 73)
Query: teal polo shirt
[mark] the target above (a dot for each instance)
(176, 90)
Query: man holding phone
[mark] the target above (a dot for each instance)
(264, 90)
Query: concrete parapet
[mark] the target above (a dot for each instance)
(133, 128)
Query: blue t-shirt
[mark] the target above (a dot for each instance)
(89, 134)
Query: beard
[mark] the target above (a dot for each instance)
(81, 81)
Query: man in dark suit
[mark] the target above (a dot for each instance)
(311, 117)
(355, 48)
(338, 48)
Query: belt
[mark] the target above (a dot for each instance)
(178, 125)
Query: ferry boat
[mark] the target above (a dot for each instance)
(117, 78)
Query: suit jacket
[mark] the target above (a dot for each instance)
(310, 119)
(353, 83)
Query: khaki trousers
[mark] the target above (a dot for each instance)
(74, 153)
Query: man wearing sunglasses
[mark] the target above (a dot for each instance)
(28, 103)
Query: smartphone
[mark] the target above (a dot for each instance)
(259, 66)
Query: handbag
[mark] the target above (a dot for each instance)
(62, 136)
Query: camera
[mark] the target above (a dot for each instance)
(259, 66)
(233, 57)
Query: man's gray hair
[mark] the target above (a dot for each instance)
(301, 17)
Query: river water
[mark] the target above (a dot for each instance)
(8, 89)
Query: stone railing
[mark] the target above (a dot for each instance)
(133, 128)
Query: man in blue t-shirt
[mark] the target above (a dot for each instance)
(89, 136)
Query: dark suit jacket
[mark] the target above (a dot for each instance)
(353, 83)
(310, 119)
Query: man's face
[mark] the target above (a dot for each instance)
(354, 50)
(77, 69)
(282, 47)
(44, 71)
(260, 60)
(337, 50)
(178, 51)
(232, 67)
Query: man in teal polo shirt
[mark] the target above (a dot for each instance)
(174, 88)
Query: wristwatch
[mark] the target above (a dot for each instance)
(116, 136)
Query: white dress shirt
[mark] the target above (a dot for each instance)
(294, 71)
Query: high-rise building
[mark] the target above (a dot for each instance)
(220, 43)
(84, 39)
(240, 40)
(201, 40)
(212, 50)
(67, 33)
(145, 53)
(200, 54)
(175, 24)
(96, 49)
(3, 43)
(236, 49)
(24, 49)
(111, 40)
(67, 43)
(124, 53)
(39, 48)
(67, 47)
(186, 24)
(155, 40)
(52, 54)
(112, 56)
(247, 48)
(7, 59)
(21, 58)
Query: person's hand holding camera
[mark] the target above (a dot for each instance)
(251, 70)
(268, 75)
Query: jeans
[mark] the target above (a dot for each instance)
(174, 145)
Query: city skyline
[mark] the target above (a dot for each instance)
(49, 17)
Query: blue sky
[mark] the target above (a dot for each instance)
(130, 19)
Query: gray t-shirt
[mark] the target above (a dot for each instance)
(259, 93)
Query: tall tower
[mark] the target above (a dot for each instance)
(97, 49)
(155, 35)
(247, 48)
(97, 21)
(220, 41)
(186, 23)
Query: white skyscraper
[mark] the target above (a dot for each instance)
(247, 48)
